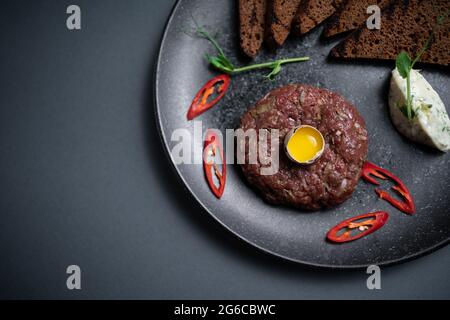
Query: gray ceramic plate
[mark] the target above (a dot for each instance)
(288, 233)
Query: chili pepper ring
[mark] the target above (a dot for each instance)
(200, 103)
(407, 205)
(373, 221)
(212, 146)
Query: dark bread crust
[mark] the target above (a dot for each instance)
(405, 25)
(280, 14)
(350, 15)
(252, 15)
(313, 12)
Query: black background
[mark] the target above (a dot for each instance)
(84, 179)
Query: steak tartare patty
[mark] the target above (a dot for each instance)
(332, 178)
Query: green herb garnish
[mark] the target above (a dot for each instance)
(222, 63)
(405, 110)
(404, 67)
(405, 64)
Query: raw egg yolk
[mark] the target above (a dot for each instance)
(305, 144)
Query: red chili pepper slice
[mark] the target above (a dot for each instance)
(217, 86)
(407, 205)
(212, 146)
(371, 223)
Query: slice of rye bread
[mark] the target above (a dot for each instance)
(252, 15)
(313, 12)
(405, 25)
(280, 14)
(350, 15)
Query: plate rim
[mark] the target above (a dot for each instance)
(158, 119)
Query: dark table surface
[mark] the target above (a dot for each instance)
(84, 179)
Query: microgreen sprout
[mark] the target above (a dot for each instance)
(222, 63)
(405, 64)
